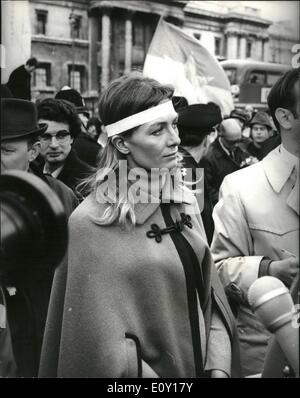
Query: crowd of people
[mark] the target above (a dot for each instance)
(156, 276)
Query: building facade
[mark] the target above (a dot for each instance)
(87, 43)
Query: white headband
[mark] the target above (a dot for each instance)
(143, 117)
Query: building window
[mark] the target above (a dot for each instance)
(42, 75)
(76, 73)
(41, 21)
(217, 45)
(76, 25)
(248, 49)
(197, 36)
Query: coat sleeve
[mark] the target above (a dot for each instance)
(232, 245)
(219, 346)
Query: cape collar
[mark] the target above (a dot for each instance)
(171, 192)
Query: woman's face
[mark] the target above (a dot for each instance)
(154, 144)
(260, 133)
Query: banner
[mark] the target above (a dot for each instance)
(176, 58)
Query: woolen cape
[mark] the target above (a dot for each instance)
(120, 309)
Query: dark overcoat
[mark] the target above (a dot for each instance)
(218, 164)
(19, 83)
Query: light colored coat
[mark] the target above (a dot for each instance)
(121, 308)
(252, 220)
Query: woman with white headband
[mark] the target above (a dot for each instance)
(140, 297)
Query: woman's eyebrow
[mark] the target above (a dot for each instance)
(157, 123)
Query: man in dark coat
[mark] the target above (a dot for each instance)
(20, 79)
(24, 296)
(61, 161)
(225, 156)
(195, 122)
(87, 149)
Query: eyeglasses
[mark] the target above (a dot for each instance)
(61, 136)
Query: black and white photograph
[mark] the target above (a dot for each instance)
(149, 192)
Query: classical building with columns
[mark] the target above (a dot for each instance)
(87, 43)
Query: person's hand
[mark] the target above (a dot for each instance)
(285, 270)
(218, 374)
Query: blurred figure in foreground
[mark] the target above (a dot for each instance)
(25, 294)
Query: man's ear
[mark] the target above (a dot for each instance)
(34, 151)
(284, 118)
(120, 144)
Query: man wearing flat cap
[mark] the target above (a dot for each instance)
(24, 298)
(195, 123)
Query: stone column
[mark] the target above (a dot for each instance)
(106, 36)
(232, 46)
(128, 41)
(243, 43)
(93, 67)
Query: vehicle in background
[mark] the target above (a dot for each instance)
(251, 81)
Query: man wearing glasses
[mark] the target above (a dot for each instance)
(60, 159)
(225, 156)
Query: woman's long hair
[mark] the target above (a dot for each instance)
(123, 97)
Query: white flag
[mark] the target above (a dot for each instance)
(176, 58)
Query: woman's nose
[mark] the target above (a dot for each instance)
(174, 137)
